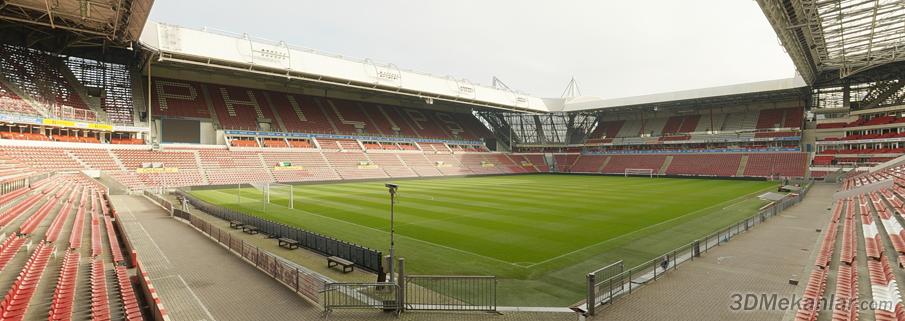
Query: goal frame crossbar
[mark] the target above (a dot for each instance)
(269, 186)
(640, 172)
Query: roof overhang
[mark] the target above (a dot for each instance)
(781, 87)
(829, 39)
(114, 22)
(239, 52)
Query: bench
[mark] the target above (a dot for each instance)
(346, 264)
(250, 229)
(236, 225)
(288, 243)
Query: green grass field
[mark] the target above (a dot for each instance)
(539, 234)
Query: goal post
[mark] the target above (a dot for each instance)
(277, 193)
(639, 172)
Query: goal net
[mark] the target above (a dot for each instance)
(280, 194)
(263, 195)
(639, 172)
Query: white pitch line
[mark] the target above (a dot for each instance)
(734, 200)
(385, 232)
(511, 263)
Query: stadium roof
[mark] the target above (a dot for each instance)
(831, 39)
(240, 52)
(781, 86)
(117, 21)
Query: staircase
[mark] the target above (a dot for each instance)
(138, 95)
(94, 103)
(268, 168)
(37, 106)
(605, 161)
(210, 107)
(406, 165)
(742, 165)
(665, 165)
(77, 159)
(836, 176)
(329, 164)
(276, 115)
(200, 168)
(119, 162)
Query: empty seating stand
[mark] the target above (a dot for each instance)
(704, 165)
(618, 163)
(241, 108)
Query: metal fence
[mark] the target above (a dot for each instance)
(301, 280)
(160, 200)
(450, 293)
(416, 292)
(383, 296)
(363, 257)
(605, 290)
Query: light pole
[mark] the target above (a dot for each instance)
(392, 187)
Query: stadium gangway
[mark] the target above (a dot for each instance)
(629, 280)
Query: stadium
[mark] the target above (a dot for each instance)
(153, 171)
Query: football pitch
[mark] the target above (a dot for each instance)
(539, 234)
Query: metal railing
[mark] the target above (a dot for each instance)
(363, 257)
(383, 296)
(450, 293)
(603, 291)
(304, 282)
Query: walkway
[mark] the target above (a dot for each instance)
(196, 278)
(200, 280)
(758, 262)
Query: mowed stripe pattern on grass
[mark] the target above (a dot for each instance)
(522, 220)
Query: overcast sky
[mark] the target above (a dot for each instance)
(613, 48)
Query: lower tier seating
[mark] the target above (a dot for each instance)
(47, 281)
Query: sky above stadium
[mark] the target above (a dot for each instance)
(612, 48)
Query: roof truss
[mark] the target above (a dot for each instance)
(841, 36)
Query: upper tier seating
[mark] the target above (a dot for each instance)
(178, 98)
(300, 113)
(716, 126)
(12, 103)
(770, 118)
(238, 108)
(116, 82)
(864, 121)
(242, 108)
(39, 74)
